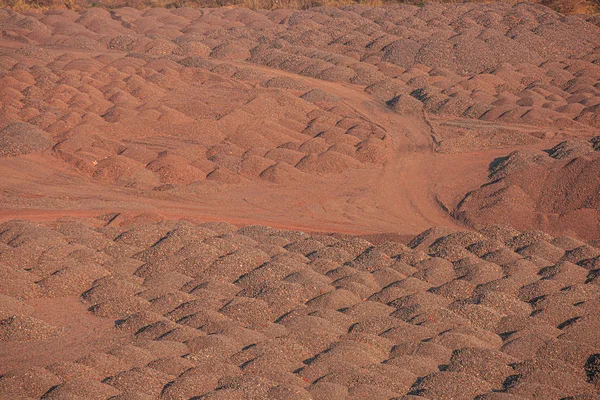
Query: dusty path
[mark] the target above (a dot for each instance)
(404, 189)
(402, 196)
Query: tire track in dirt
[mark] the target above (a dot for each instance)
(400, 196)
(404, 188)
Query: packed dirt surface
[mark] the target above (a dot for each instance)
(158, 169)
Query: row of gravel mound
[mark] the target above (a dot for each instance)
(213, 311)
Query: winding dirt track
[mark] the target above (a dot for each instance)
(401, 197)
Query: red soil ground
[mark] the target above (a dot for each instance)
(166, 177)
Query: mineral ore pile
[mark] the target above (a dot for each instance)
(397, 202)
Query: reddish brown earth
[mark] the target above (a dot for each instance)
(557, 190)
(120, 308)
(158, 168)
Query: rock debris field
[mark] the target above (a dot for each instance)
(211, 311)
(392, 202)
